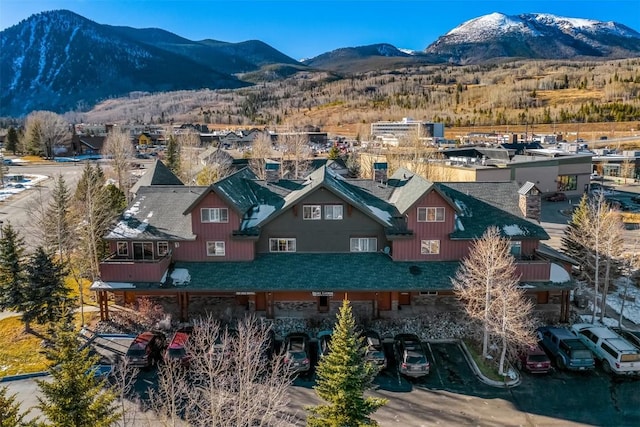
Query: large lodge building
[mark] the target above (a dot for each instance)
(283, 248)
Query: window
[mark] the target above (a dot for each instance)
(214, 215)
(567, 182)
(282, 245)
(163, 248)
(430, 214)
(333, 212)
(430, 247)
(123, 248)
(215, 249)
(429, 293)
(516, 248)
(143, 250)
(312, 212)
(364, 244)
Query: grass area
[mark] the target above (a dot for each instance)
(487, 368)
(21, 353)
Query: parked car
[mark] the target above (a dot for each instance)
(632, 336)
(534, 360)
(146, 349)
(568, 351)
(556, 197)
(176, 350)
(374, 352)
(410, 355)
(617, 355)
(296, 347)
(324, 343)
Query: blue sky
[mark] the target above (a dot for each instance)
(303, 29)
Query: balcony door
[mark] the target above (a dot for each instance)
(143, 251)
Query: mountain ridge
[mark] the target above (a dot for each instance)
(48, 61)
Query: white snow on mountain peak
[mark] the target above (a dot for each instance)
(532, 24)
(488, 26)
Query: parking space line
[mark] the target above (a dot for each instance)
(433, 359)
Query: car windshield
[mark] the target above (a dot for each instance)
(373, 341)
(416, 359)
(537, 358)
(136, 352)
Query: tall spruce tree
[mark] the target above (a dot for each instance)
(172, 155)
(10, 415)
(75, 397)
(96, 208)
(570, 245)
(46, 296)
(12, 141)
(12, 270)
(58, 232)
(343, 376)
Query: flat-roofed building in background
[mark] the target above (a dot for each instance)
(408, 126)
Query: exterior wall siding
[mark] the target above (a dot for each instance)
(533, 271)
(409, 249)
(235, 250)
(321, 236)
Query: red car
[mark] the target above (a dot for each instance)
(534, 360)
(176, 350)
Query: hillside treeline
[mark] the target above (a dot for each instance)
(519, 92)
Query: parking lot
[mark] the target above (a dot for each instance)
(451, 394)
(557, 398)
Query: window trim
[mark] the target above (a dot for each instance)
(123, 244)
(331, 209)
(435, 210)
(361, 239)
(289, 243)
(430, 243)
(216, 244)
(313, 211)
(158, 251)
(219, 211)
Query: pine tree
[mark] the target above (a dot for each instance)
(570, 245)
(12, 140)
(173, 156)
(75, 397)
(343, 375)
(58, 233)
(46, 296)
(10, 415)
(12, 270)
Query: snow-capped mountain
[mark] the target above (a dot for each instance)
(535, 35)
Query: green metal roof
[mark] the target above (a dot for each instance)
(320, 272)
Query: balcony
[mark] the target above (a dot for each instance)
(533, 270)
(119, 269)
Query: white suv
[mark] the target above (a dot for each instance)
(617, 354)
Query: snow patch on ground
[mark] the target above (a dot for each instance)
(17, 183)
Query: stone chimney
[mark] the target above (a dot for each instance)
(530, 201)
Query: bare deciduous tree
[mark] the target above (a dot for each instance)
(260, 150)
(230, 380)
(119, 150)
(46, 130)
(296, 154)
(188, 143)
(596, 234)
(486, 283)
